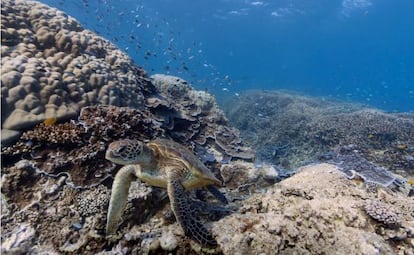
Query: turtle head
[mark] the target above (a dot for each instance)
(125, 152)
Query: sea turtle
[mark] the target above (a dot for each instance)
(166, 164)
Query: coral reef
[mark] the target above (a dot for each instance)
(317, 211)
(52, 67)
(192, 115)
(290, 130)
(55, 180)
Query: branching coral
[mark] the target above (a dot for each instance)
(106, 123)
(65, 133)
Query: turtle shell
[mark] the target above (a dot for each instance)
(171, 152)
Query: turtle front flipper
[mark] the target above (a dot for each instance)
(185, 211)
(119, 196)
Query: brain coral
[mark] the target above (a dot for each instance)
(52, 67)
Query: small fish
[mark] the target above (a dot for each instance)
(411, 181)
(401, 147)
(257, 3)
(50, 121)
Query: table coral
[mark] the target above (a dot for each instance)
(194, 116)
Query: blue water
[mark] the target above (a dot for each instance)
(356, 50)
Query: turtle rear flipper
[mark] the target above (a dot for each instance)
(217, 194)
(211, 211)
(186, 213)
(119, 196)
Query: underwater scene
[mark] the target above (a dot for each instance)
(207, 127)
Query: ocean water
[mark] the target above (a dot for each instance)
(354, 50)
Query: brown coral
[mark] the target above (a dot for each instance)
(107, 123)
(64, 133)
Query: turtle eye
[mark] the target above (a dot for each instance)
(121, 149)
